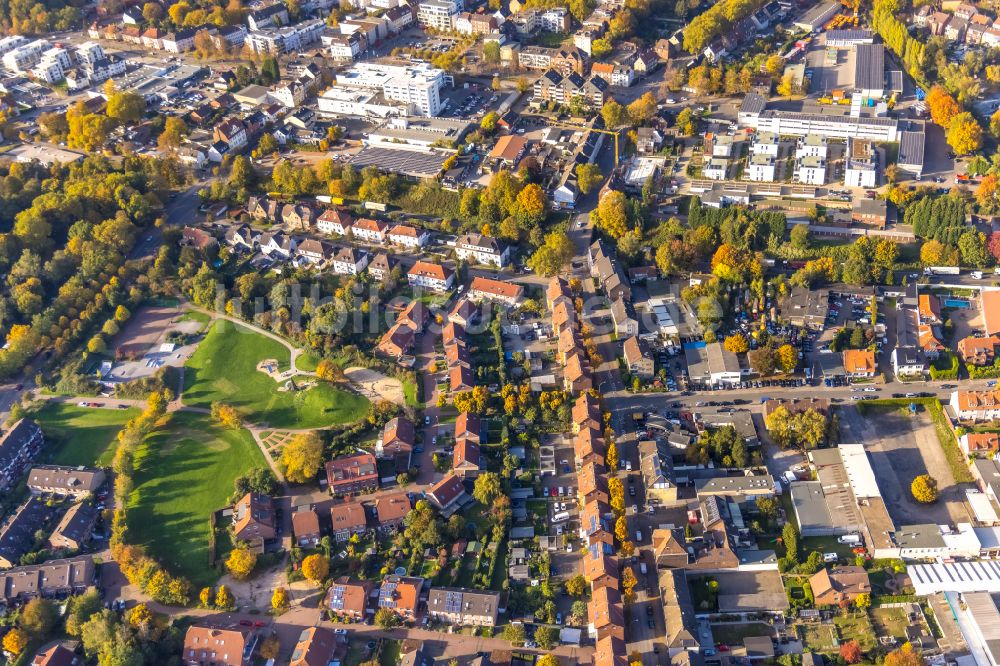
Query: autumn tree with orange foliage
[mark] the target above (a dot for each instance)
(942, 106)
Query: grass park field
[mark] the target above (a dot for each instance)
(81, 435)
(224, 369)
(184, 472)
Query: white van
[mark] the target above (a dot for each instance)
(560, 517)
(830, 557)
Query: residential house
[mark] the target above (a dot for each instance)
(349, 260)
(218, 645)
(606, 614)
(638, 360)
(842, 584)
(623, 315)
(381, 266)
(480, 249)
(277, 244)
(460, 375)
(54, 578)
(592, 480)
(353, 474)
(648, 140)
(432, 276)
(398, 440)
(979, 351)
(397, 341)
(596, 525)
(74, 529)
(370, 231)
(197, 238)
(497, 291)
(409, 237)
(316, 646)
(348, 598)
(447, 493)
(57, 655)
(391, 510)
(859, 363)
(464, 313)
(929, 308)
(297, 216)
(19, 445)
(586, 413)
(979, 444)
(468, 426)
(67, 481)
(576, 375)
(400, 594)
(975, 405)
(232, 132)
(466, 459)
(348, 518)
(254, 520)
(333, 221)
(314, 251)
(599, 568)
(242, 237)
(305, 527)
(478, 608)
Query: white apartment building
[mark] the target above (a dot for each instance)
(26, 56)
(764, 143)
(811, 145)
(350, 261)
(715, 168)
(437, 14)
(337, 102)
(344, 47)
(859, 174)
(810, 170)
(53, 65)
(556, 19)
(430, 276)
(753, 113)
(370, 231)
(482, 250)
(8, 44)
(761, 168)
(722, 146)
(89, 53)
(418, 84)
(860, 170)
(285, 40)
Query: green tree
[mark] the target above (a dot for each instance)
(514, 633)
(546, 637)
(487, 488)
(790, 538)
(588, 177)
(552, 256)
(386, 618)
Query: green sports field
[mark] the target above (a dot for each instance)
(80, 435)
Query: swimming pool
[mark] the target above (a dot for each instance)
(956, 303)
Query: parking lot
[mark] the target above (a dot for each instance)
(903, 447)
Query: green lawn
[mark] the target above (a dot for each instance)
(856, 626)
(184, 472)
(410, 393)
(224, 368)
(202, 318)
(80, 435)
(307, 362)
(733, 634)
(819, 637)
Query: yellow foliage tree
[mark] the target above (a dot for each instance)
(316, 567)
(302, 457)
(329, 371)
(737, 344)
(15, 640)
(140, 615)
(241, 562)
(964, 134)
(924, 489)
(279, 599)
(224, 598)
(227, 415)
(205, 597)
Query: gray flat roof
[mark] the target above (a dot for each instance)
(911, 148)
(810, 507)
(843, 119)
(869, 67)
(407, 162)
